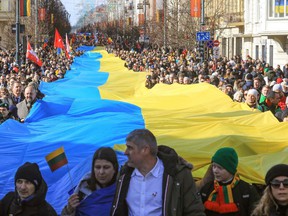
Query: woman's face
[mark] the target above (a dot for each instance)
(279, 188)
(104, 171)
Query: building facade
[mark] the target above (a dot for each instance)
(258, 28)
(7, 18)
(266, 31)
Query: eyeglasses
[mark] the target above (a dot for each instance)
(277, 184)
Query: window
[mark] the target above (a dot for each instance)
(5, 5)
(278, 8)
(264, 53)
(257, 52)
(271, 55)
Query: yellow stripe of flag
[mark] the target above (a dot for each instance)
(54, 153)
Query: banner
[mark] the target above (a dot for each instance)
(195, 9)
(42, 14)
(141, 19)
(160, 16)
(25, 7)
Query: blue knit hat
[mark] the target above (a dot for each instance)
(227, 158)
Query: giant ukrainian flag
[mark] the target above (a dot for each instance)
(99, 102)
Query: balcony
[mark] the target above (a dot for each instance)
(234, 19)
(6, 16)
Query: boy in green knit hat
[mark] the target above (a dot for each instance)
(227, 194)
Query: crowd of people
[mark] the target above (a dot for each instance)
(19, 84)
(154, 181)
(251, 81)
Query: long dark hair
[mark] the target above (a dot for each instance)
(105, 153)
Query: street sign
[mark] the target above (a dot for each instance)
(216, 43)
(210, 44)
(203, 36)
(216, 52)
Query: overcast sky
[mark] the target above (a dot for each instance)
(75, 7)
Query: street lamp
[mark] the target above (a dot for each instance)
(145, 2)
(17, 31)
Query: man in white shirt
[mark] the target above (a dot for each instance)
(155, 181)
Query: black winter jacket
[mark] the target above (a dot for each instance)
(36, 206)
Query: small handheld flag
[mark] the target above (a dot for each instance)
(56, 159)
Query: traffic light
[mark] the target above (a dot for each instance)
(201, 47)
(20, 47)
(201, 50)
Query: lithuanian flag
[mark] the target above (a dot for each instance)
(25, 7)
(56, 159)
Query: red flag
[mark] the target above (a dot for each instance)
(31, 55)
(58, 42)
(67, 50)
(195, 9)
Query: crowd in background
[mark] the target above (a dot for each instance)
(19, 84)
(252, 81)
(244, 80)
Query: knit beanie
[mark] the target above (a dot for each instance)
(227, 158)
(30, 172)
(6, 105)
(275, 171)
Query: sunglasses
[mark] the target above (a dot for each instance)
(277, 184)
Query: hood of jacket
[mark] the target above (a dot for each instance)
(173, 163)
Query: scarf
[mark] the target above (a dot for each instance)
(221, 198)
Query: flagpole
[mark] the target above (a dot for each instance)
(70, 177)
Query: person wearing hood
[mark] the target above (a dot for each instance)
(29, 196)
(155, 181)
(95, 192)
(252, 98)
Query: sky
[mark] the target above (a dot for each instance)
(78, 7)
